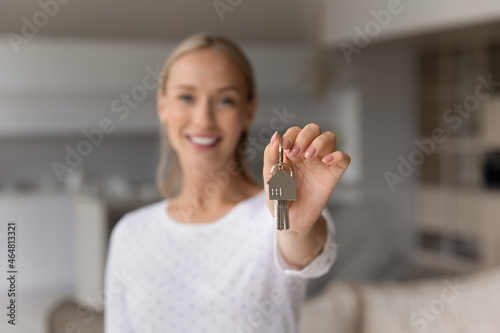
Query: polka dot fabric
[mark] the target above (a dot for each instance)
(222, 276)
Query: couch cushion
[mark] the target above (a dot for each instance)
(335, 310)
(470, 303)
(67, 316)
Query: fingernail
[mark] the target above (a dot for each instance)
(310, 152)
(273, 138)
(287, 143)
(327, 159)
(295, 150)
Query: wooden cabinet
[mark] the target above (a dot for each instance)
(490, 123)
(458, 217)
(459, 229)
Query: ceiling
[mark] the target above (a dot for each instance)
(248, 20)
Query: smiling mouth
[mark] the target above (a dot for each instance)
(201, 142)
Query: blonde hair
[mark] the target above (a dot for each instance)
(168, 172)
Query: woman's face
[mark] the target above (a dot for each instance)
(205, 108)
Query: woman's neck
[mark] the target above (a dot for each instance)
(206, 196)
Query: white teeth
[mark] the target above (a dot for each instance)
(203, 141)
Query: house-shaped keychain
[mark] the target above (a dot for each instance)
(282, 186)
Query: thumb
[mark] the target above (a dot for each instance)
(271, 156)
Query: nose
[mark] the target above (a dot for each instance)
(204, 113)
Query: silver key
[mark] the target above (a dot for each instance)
(281, 188)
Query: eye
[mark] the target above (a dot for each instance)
(186, 98)
(227, 101)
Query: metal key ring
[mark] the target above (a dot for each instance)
(280, 167)
(280, 160)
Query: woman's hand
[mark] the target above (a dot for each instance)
(317, 169)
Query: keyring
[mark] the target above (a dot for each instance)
(280, 151)
(280, 161)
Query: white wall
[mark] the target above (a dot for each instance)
(376, 237)
(60, 86)
(411, 17)
(60, 243)
(45, 243)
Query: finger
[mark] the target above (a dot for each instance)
(289, 137)
(337, 158)
(303, 140)
(321, 145)
(271, 156)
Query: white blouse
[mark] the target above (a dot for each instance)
(222, 276)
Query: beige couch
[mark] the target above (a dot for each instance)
(468, 303)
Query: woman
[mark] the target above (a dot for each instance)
(208, 258)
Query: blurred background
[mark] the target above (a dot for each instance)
(410, 88)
